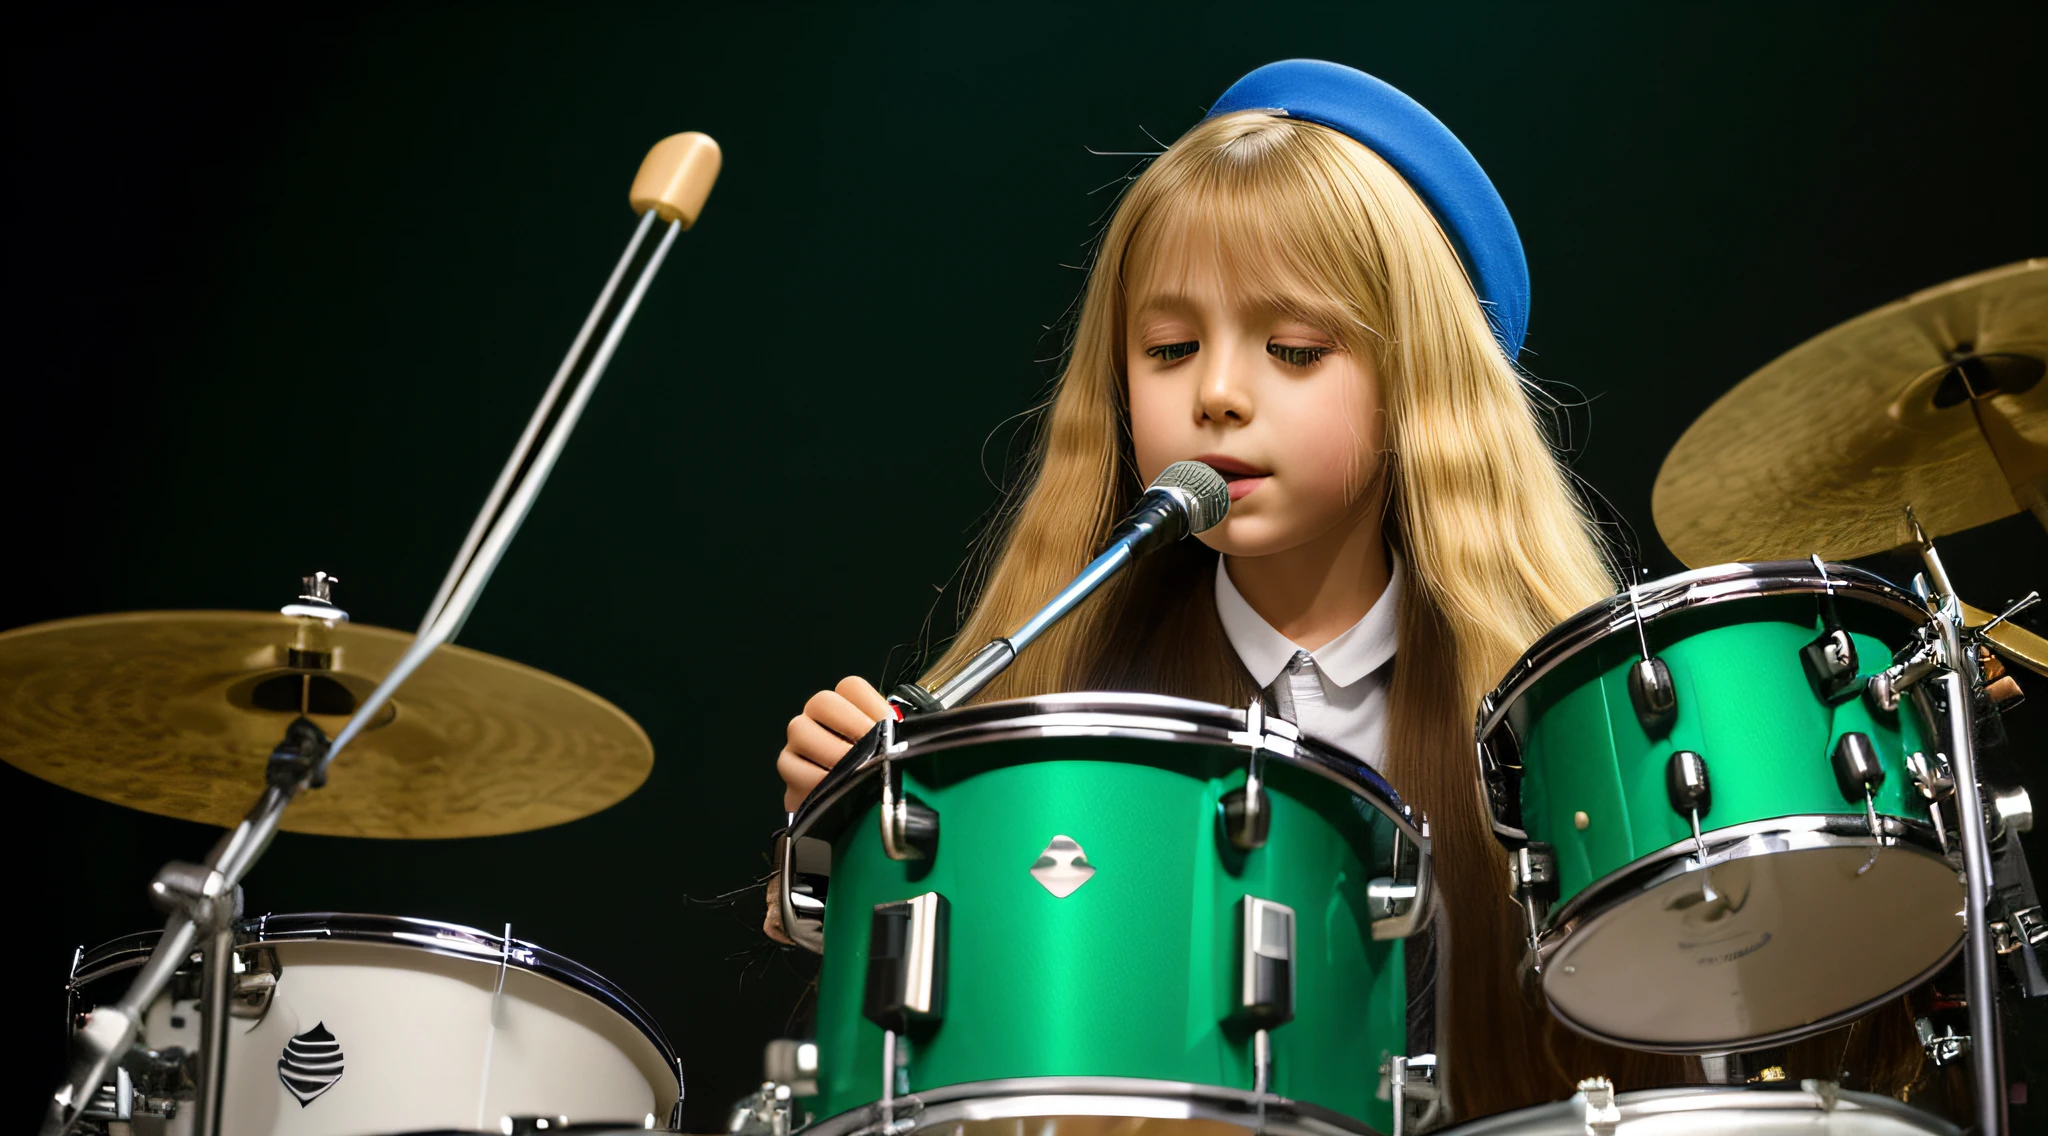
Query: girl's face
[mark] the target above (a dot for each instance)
(1261, 388)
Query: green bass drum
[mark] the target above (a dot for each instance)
(1092, 910)
(1724, 836)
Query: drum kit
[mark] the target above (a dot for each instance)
(1738, 806)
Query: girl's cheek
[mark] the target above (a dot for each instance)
(1333, 454)
(1151, 432)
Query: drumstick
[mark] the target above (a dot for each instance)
(673, 182)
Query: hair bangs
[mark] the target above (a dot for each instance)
(1255, 204)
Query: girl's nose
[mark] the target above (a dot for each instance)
(1224, 397)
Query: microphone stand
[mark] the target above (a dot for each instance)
(205, 899)
(996, 657)
(1182, 500)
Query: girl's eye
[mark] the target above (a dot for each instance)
(1169, 352)
(1296, 356)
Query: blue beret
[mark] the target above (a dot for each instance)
(1425, 153)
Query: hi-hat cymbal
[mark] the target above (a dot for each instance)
(1935, 401)
(176, 712)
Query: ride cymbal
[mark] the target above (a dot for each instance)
(1935, 401)
(176, 712)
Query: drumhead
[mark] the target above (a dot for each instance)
(1145, 717)
(1766, 959)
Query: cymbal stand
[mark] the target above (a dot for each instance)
(1957, 675)
(204, 899)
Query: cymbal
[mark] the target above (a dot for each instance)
(176, 712)
(1935, 401)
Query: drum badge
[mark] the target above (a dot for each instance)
(311, 1064)
(1062, 867)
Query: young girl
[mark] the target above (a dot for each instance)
(1274, 297)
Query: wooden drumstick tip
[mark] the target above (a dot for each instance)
(676, 177)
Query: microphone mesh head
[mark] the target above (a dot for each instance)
(1210, 492)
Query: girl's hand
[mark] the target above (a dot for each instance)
(831, 722)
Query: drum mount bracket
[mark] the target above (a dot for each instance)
(1908, 668)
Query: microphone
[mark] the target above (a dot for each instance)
(1187, 497)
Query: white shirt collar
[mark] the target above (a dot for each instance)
(1363, 648)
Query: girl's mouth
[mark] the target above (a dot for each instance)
(1242, 476)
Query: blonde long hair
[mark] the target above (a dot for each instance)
(1499, 546)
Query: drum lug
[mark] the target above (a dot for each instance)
(1935, 784)
(1265, 964)
(1532, 876)
(906, 984)
(146, 1083)
(531, 1125)
(115, 1100)
(1416, 1096)
(1859, 775)
(806, 873)
(1603, 1115)
(1650, 688)
(1692, 795)
(906, 979)
(1246, 813)
(1654, 696)
(256, 974)
(787, 1061)
(764, 1112)
(1399, 907)
(1830, 660)
(1830, 663)
(910, 828)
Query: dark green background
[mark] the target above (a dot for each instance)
(285, 285)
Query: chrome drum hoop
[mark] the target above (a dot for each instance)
(1109, 1097)
(1144, 717)
(1844, 830)
(1616, 890)
(1765, 1112)
(1702, 587)
(432, 936)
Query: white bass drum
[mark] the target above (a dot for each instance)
(346, 1025)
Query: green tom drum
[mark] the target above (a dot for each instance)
(1721, 838)
(1084, 908)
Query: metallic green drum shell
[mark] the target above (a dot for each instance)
(1128, 977)
(1808, 919)
(1743, 705)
